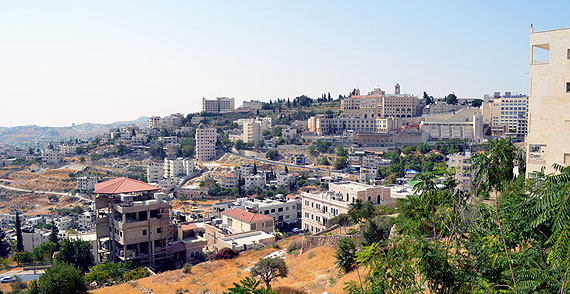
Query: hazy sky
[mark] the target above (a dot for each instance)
(64, 62)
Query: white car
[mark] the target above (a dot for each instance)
(7, 279)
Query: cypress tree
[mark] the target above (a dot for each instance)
(19, 239)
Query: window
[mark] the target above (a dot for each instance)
(230, 221)
(567, 87)
(540, 54)
(158, 230)
(568, 54)
(144, 232)
(253, 226)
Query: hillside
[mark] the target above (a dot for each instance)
(36, 134)
(311, 272)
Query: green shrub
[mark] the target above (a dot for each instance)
(293, 246)
(187, 268)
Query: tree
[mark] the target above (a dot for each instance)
(286, 170)
(346, 255)
(239, 144)
(75, 252)
(62, 278)
(4, 245)
(249, 286)
(341, 162)
(428, 99)
(19, 239)
(451, 99)
(45, 251)
(269, 269)
(477, 102)
(54, 235)
(340, 151)
(324, 161)
(272, 154)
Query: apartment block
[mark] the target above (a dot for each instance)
(549, 100)
(154, 172)
(205, 144)
(317, 209)
(251, 132)
(178, 167)
(85, 184)
(241, 221)
(461, 162)
(131, 225)
(283, 210)
(506, 115)
(218, 105)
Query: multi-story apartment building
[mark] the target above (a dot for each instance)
(218, 105)
(461, 162)
(205, 144)
(154, 172)
(154, 122)
(251, 132)
(507, 115)
(85, 184)
(549, 100)
(286, 210)
(317, 209)
(178, 167)
(230, 181)
(51, 156)
(241, 221)
(131, 225)
(86, 220)
(67, 149)
(253, 181)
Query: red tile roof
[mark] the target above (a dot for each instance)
(291, 196)
(246, 215)
(123, 185)
(189, 227)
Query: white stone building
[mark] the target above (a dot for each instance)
(205, 144)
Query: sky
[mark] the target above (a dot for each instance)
(64, 62)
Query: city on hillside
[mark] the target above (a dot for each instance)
(377, 190)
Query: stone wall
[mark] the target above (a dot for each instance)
(310, 242)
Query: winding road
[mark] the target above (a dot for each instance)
(43, 192)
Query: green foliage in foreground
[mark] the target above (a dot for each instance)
(510, 235)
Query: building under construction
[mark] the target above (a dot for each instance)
(132, 225)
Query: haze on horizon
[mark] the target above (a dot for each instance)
(105, 61)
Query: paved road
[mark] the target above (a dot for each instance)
(42, 192)
(25, 276)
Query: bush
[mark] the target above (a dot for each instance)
(62, 278)
(293, 246)
(187, 268)
(23, 257)
(135, 274)
(225, 253)
(346, 255)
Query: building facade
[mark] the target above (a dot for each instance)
(218, 105)
(205, 144)
(549, 100)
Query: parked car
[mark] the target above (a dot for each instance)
(297, 230)
(7, 279)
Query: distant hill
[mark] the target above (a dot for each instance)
(32, 134)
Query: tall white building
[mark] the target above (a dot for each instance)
(506, 114)
(205, 144)
(154, 172)
(218, 105)
(177, 167)
(251, 132)
(549, 100)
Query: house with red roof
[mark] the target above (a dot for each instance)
(237, 220)
(131, 225)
